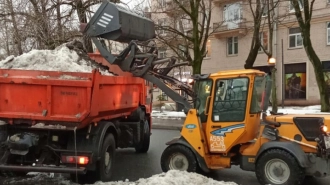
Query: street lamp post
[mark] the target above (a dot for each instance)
(272, 64)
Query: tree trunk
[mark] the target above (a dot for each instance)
(17, 38)
(318, 70)
(274, 93)
(59, 24)
(197, 66)
(252, 55)
(81, 11)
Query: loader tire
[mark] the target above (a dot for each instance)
(179, 157)
(278, 167)
(144, 143)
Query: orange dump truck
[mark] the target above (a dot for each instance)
(71, 125)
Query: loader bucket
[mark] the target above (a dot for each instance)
(113, 22)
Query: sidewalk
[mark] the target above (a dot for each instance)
(174, 120)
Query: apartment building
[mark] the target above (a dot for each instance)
(232, 35)
(165, 13)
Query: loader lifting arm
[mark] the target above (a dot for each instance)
(112, 22)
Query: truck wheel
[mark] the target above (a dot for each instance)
(144, 143)
(279, 167)
(107, 158)
(178, 157)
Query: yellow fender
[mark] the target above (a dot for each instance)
(192, 136)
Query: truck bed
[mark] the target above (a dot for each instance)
(66, 98)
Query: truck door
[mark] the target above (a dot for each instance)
(227, 113)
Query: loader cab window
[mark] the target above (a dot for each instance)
(258, 90)
(203, 89)
(230, 100)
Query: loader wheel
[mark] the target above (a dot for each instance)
(178, 157)
(144, 144)
(279, 167)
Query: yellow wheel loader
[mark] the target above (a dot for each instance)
(226, 121)
(229, 126)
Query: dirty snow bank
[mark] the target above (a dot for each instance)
(33, 178)
(69, 57)
(171, 178)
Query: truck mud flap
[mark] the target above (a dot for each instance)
(80, 170)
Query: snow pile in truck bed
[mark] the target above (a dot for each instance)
(69, 57)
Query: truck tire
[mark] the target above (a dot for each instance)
(143, 145)
(105, 167)
(279, 167)
(179, 157)
(103, 172)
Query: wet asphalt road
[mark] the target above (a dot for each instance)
(132, 166)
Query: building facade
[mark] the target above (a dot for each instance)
(231, 38)
(165, 14)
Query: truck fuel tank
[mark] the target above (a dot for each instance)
(114, 22)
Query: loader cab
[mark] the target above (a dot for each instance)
(229, 105)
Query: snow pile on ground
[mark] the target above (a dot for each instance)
(69, 57)
(169, 114)
(172, 177)
(316, 109)
(33, 178)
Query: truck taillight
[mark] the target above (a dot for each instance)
(75, 159)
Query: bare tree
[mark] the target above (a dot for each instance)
(304, 21)
(187, 29)
(255, 43)
(16, 36)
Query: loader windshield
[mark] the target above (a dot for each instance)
(203, 89)
(258, 90)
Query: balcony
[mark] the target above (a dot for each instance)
(222, 2)
(223, 29)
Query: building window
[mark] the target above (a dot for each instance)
(232, 12)
(301, 5)
(326, 72)
(328, 32)
(162, 3)
(265, 8)
(182, 51)
(295, 81)
(162, 54)
(208, 48)
(232, 45)
(295, 38)
(264, 41)
(162, 24)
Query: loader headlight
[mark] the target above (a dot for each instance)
(190, 81)
(324, 129)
